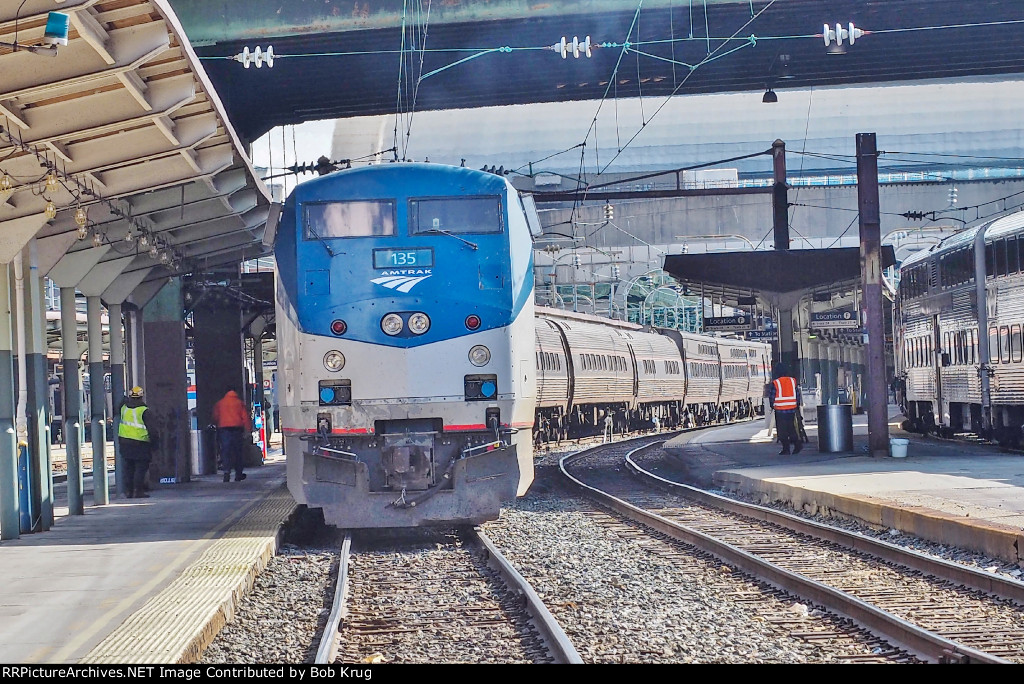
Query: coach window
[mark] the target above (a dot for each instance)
(1001, 257)
(1004, 343)
(946, 345)
(990, 260)
(455, 215)
(974, 345)
(1015, 343)
(993, 345)
(325, 220)
(1012, 255)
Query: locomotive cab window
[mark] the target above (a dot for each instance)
(327, 220)
(455, 215)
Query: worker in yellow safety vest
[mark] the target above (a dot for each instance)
(784, 395)
(136, 437)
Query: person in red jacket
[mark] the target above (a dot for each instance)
(233, 425)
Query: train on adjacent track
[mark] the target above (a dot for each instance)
(416, 375)
(959, 348)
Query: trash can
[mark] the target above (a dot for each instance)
(898, 447)
(209, 451)
(835, 428)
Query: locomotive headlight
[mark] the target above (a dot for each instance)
(334, 361)
(479, 355)
(419, 323)
(391, 324)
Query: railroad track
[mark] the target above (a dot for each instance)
(939, 611)
(431, 596)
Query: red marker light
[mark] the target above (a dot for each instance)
(472, 321)
(338, 327)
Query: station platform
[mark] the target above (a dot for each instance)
(966, 495)
(140, 581)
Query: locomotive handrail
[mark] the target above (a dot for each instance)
(353, 457)
(466, 452)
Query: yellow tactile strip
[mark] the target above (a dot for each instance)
(176, 625)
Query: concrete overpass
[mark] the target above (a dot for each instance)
(337, 60)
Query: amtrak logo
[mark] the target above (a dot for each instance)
(402, 281)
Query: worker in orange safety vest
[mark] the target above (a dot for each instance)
(784, 395)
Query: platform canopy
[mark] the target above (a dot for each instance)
(115, 142)
(771, 273)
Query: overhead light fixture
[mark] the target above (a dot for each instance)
(51, 182)
(51, 210)
(81, 217)
(55, 33)
(143, 241)
(97, 239)
(129, 236)
(769, 96)
(782, 68)
(83, 232)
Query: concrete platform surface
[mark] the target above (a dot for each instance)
(961, 494)
(106, 586)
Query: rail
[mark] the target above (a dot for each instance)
(555, 637)
(328, 648)
(925, 644)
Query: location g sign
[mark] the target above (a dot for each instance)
(835, 319)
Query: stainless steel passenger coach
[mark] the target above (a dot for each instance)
(595, 374)
(963, 359)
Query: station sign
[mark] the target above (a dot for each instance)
(763, 335)
(739, 323)
(835, 319)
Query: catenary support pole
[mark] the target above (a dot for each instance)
(871, 273)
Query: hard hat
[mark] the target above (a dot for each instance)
(135, 392)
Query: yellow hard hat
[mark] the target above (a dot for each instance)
(135, 392)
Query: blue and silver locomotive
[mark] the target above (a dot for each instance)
(405, 322)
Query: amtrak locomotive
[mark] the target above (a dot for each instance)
(415, 375)
(405, 322)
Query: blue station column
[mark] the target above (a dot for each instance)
(72, 400)
(10, 508)
(116, 388)
(97, 401)
(166, 388)
(38, 388)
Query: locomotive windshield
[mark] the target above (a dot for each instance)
(326, 220)
(455, 215)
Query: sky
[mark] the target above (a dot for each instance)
(288, 145)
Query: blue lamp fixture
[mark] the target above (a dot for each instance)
(56, 33)
(56, 29)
